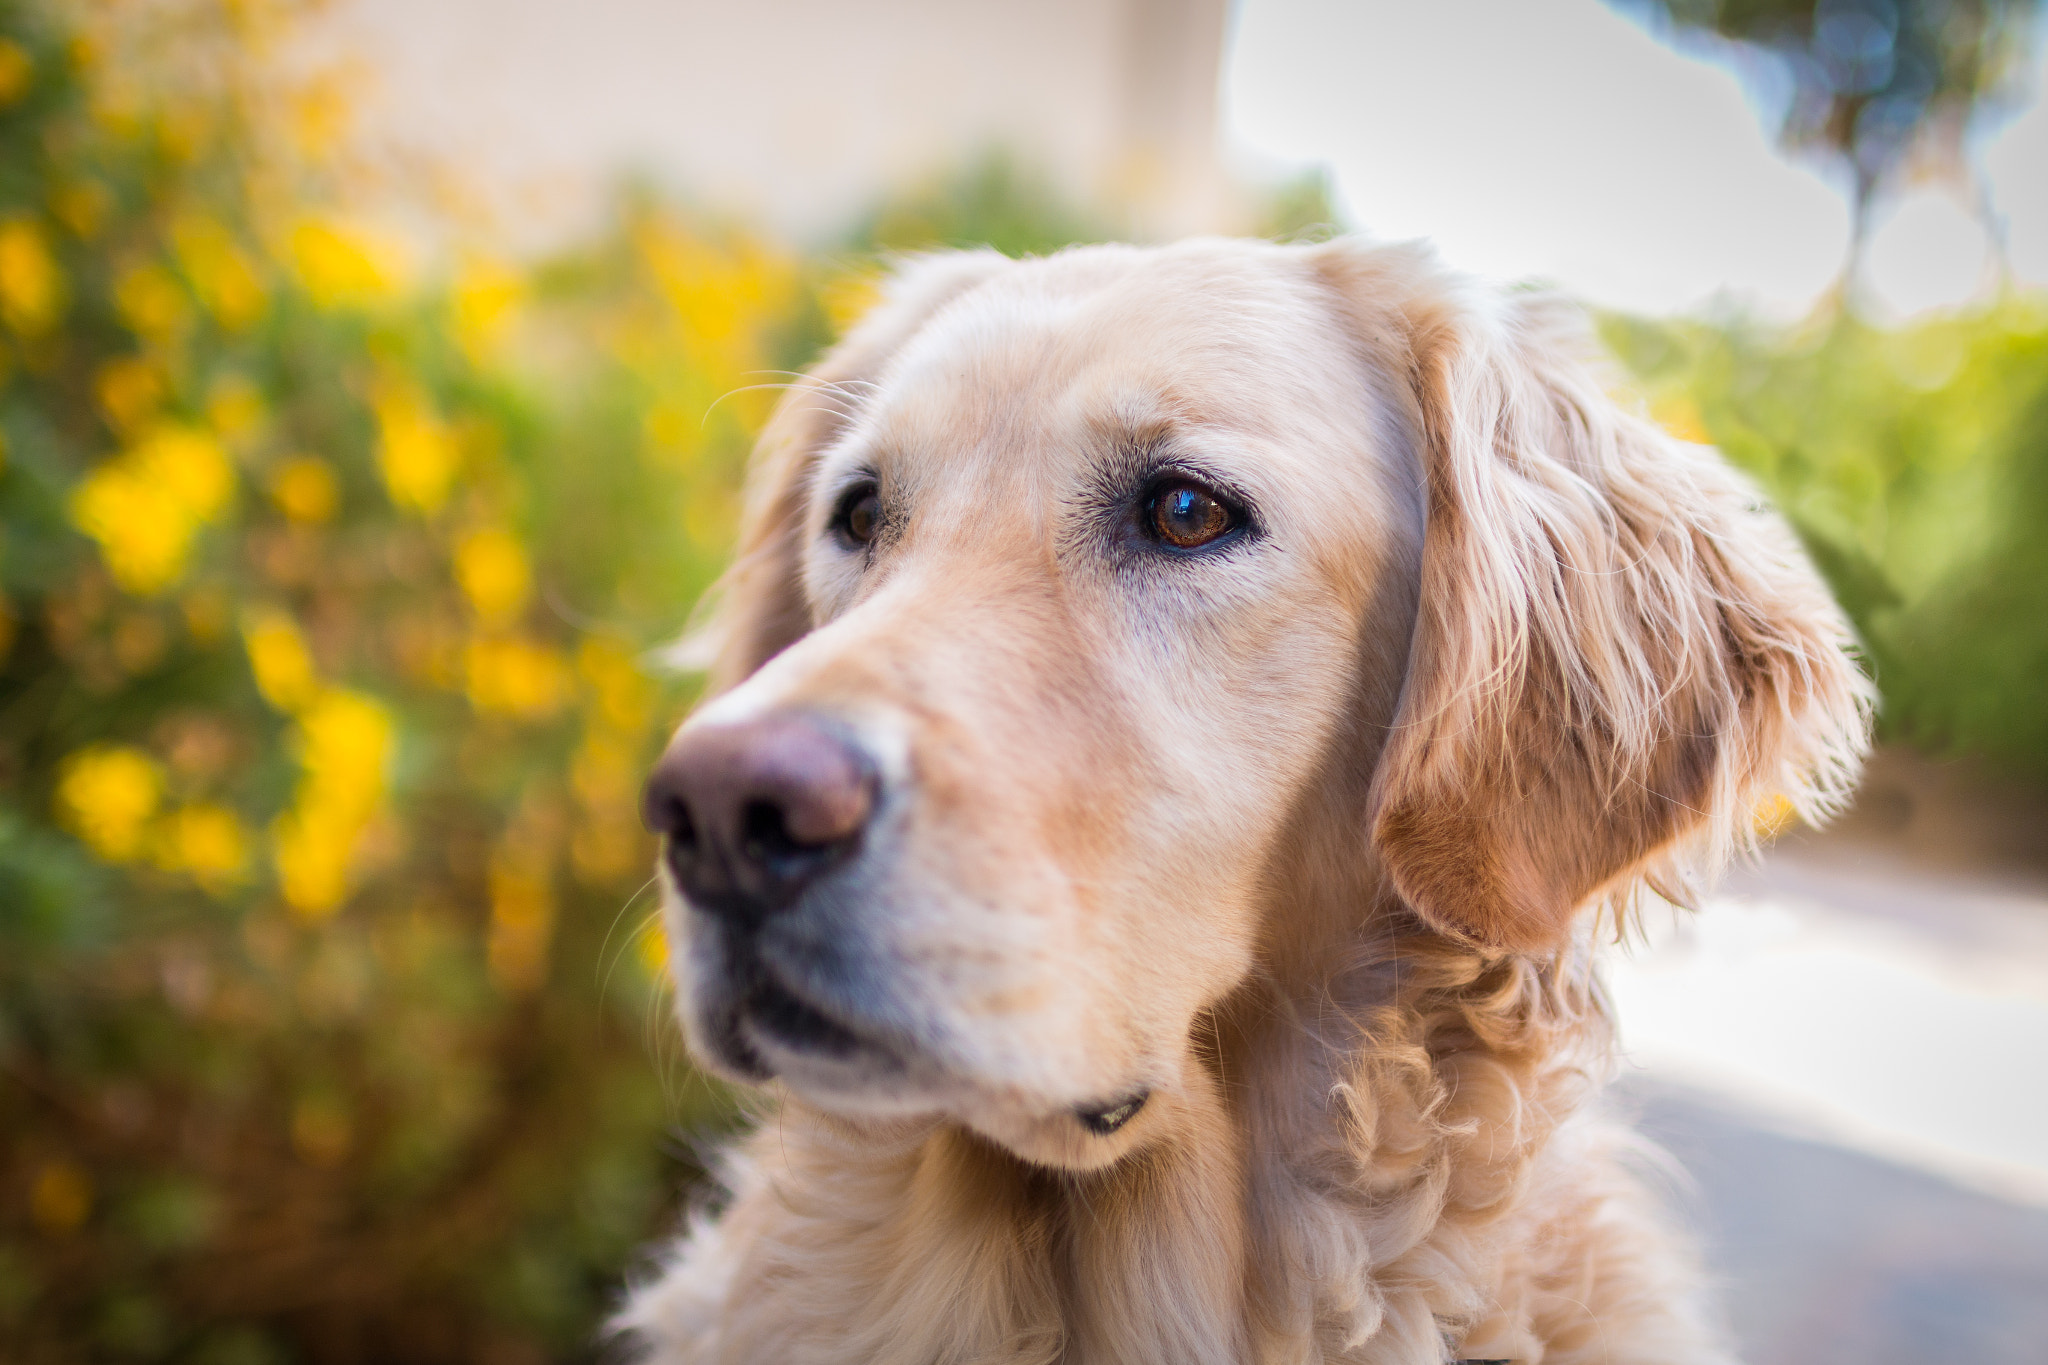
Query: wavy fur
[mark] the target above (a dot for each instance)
(1568, 675)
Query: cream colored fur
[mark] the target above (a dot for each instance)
(1310, 839)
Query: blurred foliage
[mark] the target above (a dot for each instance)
(1914, 463)
(995, 201)
(326, 986)
(1868, 83)
(1000, 201)
(1303, 209)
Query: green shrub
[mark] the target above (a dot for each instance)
(1914, 463)
(326, 986)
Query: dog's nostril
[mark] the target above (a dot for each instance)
(764, 833)
(754, 810)
(666, 813)
(682, 830)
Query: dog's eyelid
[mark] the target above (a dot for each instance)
(858, 511)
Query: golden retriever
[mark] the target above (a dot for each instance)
(1181, 718)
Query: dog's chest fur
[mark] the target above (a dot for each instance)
(1452, 1196)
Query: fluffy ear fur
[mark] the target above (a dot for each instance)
(757, 608)
(1622, 657)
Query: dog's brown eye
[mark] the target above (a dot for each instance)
(1187, 515)
(859, 515)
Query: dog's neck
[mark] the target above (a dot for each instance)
(1351, 1118)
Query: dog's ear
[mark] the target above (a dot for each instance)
(1621, 657)
(757, 608)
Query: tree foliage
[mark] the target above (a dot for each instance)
(1866, 84)
(1914, 464)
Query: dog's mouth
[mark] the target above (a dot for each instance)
(761, 1025)
(795, 1023)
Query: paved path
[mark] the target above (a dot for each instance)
(1849, 1052)
(1829, 1256)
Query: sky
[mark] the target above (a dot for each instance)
(1559, 140)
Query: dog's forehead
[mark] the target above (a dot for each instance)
(1220, 335)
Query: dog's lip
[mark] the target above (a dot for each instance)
(793, 1022)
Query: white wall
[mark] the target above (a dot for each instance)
(798, 112)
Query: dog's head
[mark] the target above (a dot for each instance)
(1082, 600)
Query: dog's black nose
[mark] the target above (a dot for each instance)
(753, 811)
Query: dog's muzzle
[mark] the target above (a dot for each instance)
(753, 814)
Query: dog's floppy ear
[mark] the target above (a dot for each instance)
(757, 608)
(1621, 654)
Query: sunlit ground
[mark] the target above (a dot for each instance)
(1865, 1001)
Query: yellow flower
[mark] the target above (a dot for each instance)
(190, 465)
(207, 841)
(130, 391)
(719, 296)
(1680, 417)
(31, 283)
(151, 302)
(305, 489)
(143, 533)
(145, 506)
(312, 857)
(511, 676)
(106, 795)
(279, 658)
(416, 452)
(345, 742)
(484, 302)
(17, 71)
(491, 567)
(220, 271)
(345, 266)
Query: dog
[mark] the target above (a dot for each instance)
(1181, 720)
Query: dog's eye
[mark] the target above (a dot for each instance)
(1186, 515)
(859, 515)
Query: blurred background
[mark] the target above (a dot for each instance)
(375, 384)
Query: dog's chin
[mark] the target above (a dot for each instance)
(766, 1031)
